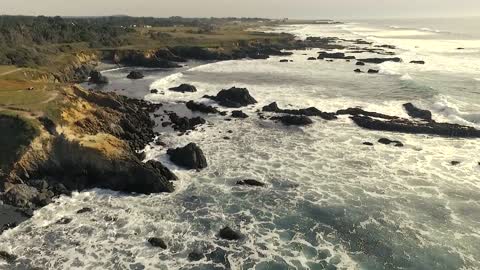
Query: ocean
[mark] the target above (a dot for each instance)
(330, 201)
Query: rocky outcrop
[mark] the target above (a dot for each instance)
(408, 126)
(137, 58)
(97, 78)
(239, 114)
(250, 182)
(184, 123)
(417, 113)
(228, 234)
(184, 88)
(380, 60)
(336, 55)
(190, 157)
(293, 120)
(135, 75)
(359, 111)
(200, 107)
(311, 111)
(418, 62)
(233, 97)
(373, 71)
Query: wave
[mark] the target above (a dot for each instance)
(451, 111)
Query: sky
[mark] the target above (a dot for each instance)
(298, 9)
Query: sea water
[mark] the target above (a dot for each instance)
(330, 201)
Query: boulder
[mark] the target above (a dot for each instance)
(336, 55)
(373, 71)
(228, 234)
(359, 63)
(200, 107)
(184, 88)
(154, 91)
(9, 258)
(135, 75)
(250, 182)
(311, 58)
(455, 163)
(234, 97)
(294, 120)
(239, 114)
(311, 111)
(157, 242)
(97, 78)
(380, 60)
(184, 123)
(388, 141)
(284, 61)
(417, 113)
(358, 70)
(368, 143)
(190, 156)
(419, 62)
(85, 210)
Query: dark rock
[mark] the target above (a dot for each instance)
(417, 113)
(7, 226)
(97, 78)
(418, 62)
(311, 58)
(85, 210)
(368, 143)
(135, 75)
(160, 169)
(184, 88)
(337, 55)
(234, 97)
(455, 163)
(386, 46)
(184, 123)
(226, 138)
(388, 141)
(358, 70)
(380, 60)
(239, 114)
(49, 125)
(228, 234)
(190, 156)
(358, 111)
(408, 126)
(250, 182)
(195, 256)
(359, 63)
(460, 48)
(154, 91)
(311, 111)
(294, 120)
(200, 107)
(284, 61)
(157, 242)
(372, 71)
(10, 258)
(64, 221)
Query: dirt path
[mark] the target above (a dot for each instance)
(10, 72)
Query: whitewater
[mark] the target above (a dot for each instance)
(331, 202)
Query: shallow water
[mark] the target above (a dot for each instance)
(330, 202)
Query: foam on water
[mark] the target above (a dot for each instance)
(329, 201)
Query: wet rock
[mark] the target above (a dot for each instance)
(234, 97)
(239, 114)
(294, 120)
(336, 55)
(359, 63)
(358, 70)
(284, 61)
(455, 163)
(10, 258)
(97, 78)
(373, 71)
(85, 210)
(311, 59)
(250, 182)
(200, 107)
(386, 46)
(359, 111)
(226, 138)
(195, 255)
(228, 234)
(160, 169)
(154, 91)
(190, 156)
(417, 62)
(413, 127)
(135, 75)
(368, 143)
(20, 195)
(7, 226)
(184, 123)
(324, 254)
(311, 111)
(64, 221)
(388, 141)
(157, 242)
(49, 125)
(417, 113)
(184, 88)
(380, 60)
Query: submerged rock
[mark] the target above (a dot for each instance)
(311, 111)
(358, 70)
(184, 88)
(135, 75)
(200, 107)
(380, 60)
(228, 234)
(10, 258)
(195, 255)
(190, 156)
(294, 120)
(359, 63)
(455, 163)
(417, 113)
(250, 182)
(239, 114)
(373, 71)
(85, 210)
(417, 62)
(157, 242)
(388, 141)
(234, 97)
(97, 78)
(311, 58)
(184, 123)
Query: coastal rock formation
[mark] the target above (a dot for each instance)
(250, 182)
(336, 55)
(184, 123)
(373, 71)
(294, 120)
(419, 62)
(359, 111)
(417, 113)
(359, 63)
(239, 114)
(408, 126)
(200, 107)
(135, 75)
(157, 242)
(311, 111)
(184, 88)
(380, 60)
(234, 97)
(228, 234)
(388, 141)
(97, 78)
(189, 156)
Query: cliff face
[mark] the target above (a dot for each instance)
(78, 68)
(93, 145)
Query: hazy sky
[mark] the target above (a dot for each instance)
(314, 9)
